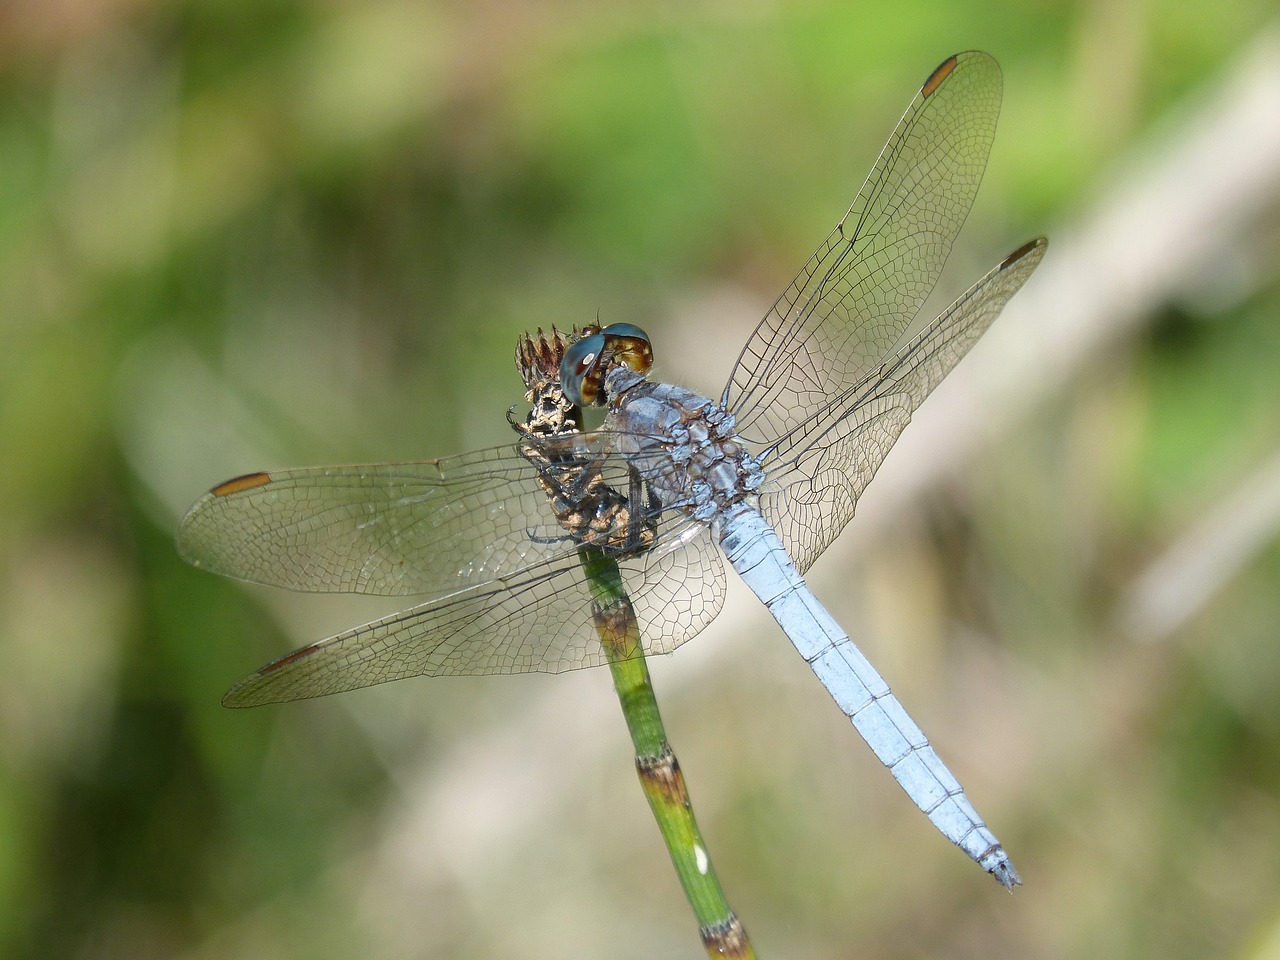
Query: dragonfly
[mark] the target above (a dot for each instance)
(670, 485)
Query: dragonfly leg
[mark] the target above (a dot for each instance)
(643, 509)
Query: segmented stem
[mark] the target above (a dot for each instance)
(615, 621)
(538, 360)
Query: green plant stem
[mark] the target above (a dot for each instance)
(659, 771)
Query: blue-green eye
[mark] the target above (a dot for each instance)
(629, 330)
(587, 362)
(626, 343)
(580, 370)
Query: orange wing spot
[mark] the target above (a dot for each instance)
(936, 78)
(288, 658)
(1021, 252)
(238, 484)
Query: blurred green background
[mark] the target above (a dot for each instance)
(240, 235)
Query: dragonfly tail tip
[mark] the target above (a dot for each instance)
(996, 862)
(1003, 871)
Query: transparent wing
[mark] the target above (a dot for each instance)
(813, 494)
(540, 621)
(855, 298)
(428, 528)
(818, 471)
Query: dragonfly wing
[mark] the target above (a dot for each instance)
(920, 365)
(812, 494)
(819, 470)
(429, 528)
(539, 621)
(855, 298)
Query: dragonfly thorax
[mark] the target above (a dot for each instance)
(683, 444)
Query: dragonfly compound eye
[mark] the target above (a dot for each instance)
(581, 371)
(587, 362)
(628, 344)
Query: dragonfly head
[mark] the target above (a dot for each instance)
(588, 361)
